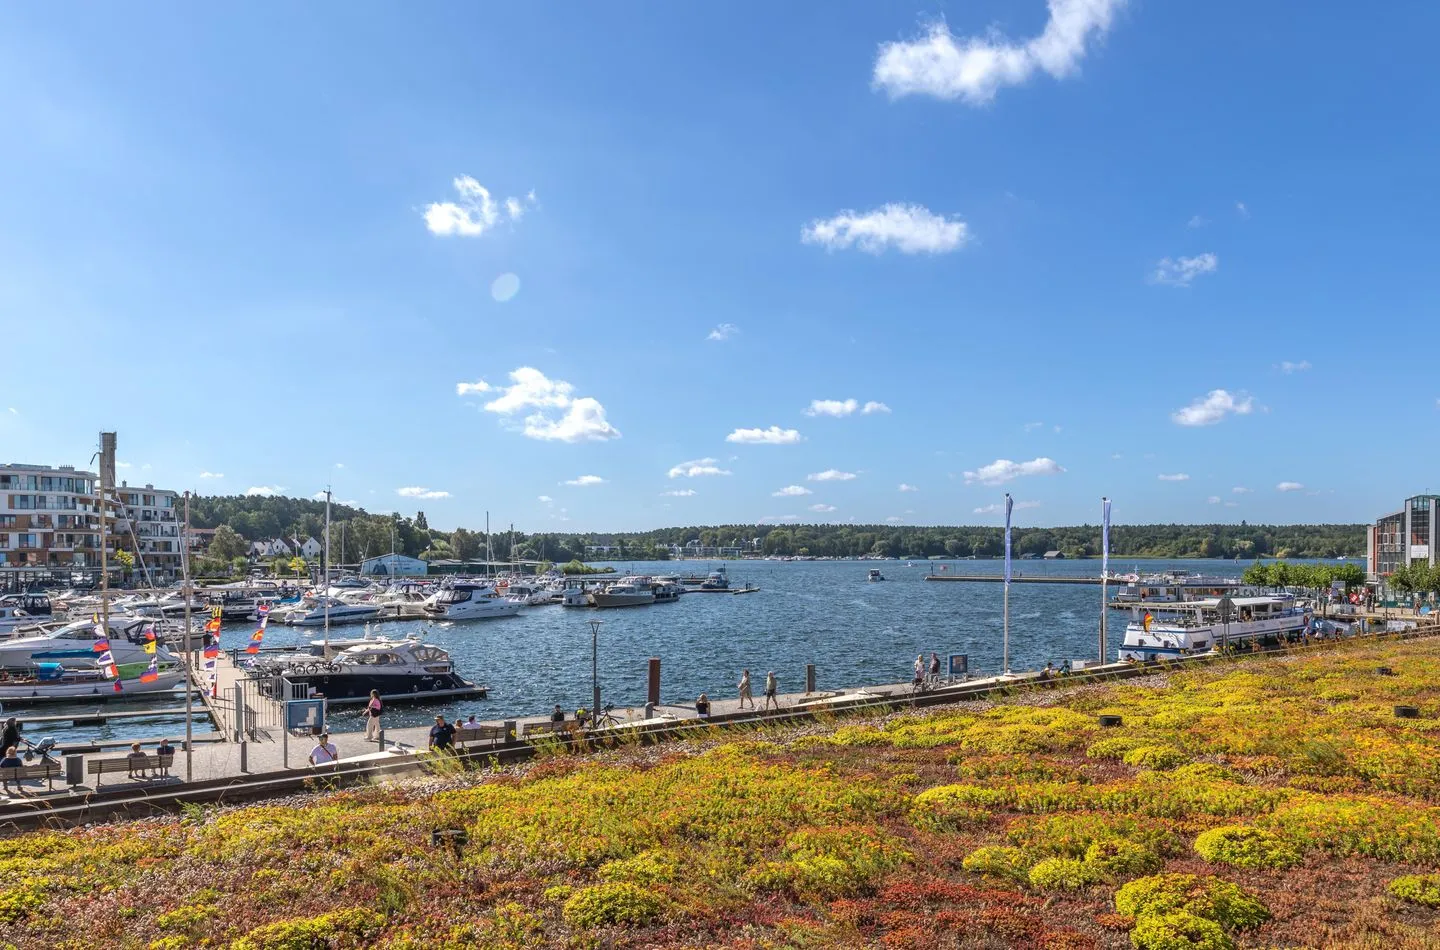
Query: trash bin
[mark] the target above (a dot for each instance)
(74, 770)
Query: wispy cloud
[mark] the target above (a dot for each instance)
(908, 228)
(1213, 500)
(905, 487)
(1196, 222)
(678, 493)
(830, 475)
(790, 490)
(415, 491)
(999, 508)
(779, 519)
(584, 481)
(838, 408)
(263, 491)
(1032, 426)
(546, 499)
(1241, 490)
(555, 413)
(1180, 271)
(973, 68)
(1178, 477)
(1212, 408)
(473, 212)
(212, 474)
(870, 408)
(1241, 210)
(697, 467)
(771, 436)
(1003, 470)
(13, 411)
(1289, 486)
(822, 507)
(1288, 367)
(722, 332)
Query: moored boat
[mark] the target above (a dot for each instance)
(1168, 631)
(400, 670)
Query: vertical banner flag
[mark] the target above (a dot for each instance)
(263, 612)
(1008, 505)
(106, 663)
(152, 673)
(255, 639)
(101, 645)
(1105, 538)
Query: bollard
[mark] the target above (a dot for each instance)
(649, 710)
(381, 733)
(509, 730)
(809, 677)
(244, 756)
(652, 694)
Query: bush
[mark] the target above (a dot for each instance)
(997, 862)
(1179, 930)
(1159, 757)
(646, 868)
(355, 927)
(941, 809)
(1245, 847)
(614, 902)
(1423, 889)
(1062, 874)
(1208, 897)
(1118, 859)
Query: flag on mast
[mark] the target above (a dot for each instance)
(255, 639)
(152, 673)
(1008, 505)
(1105, 538)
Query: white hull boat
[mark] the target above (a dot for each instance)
(1169, 631)
(74, 684)
(471, 602)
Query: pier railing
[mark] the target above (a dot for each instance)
(253, 708)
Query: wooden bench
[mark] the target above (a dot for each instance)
(493, 735)
(155, 763)
(19, 773)
(567, 728)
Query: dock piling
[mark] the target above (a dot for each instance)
(809, 677)
(652, 694)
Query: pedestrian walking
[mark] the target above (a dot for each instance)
(745, 690)
(372, 716)
(770, 690)
(919, 679)
(324, 751)
(441, 735)
(934, 667)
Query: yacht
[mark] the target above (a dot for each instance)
(339, 612)
(575, 593)
(75, 643)
(626, 592)
(875, 575)
(407, 670)
(667, 591)
(1172, 587)
(716, 581)
(53, 682)
(13, 621)
(471, 602)
(1167, 631)
(528, 594)
(37, 605)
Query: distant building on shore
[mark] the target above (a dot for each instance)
(393, 565)
(1403, 538)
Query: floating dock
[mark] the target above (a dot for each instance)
(1020, 578)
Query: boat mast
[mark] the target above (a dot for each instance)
(189, 685)
(326, 594)
(488, 555)
(1104, 572)
(107, 466)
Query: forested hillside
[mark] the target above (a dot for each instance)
(364, 534)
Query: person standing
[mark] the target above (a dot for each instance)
(324, 751)
(745, 690)
(372, 716)
(11, 736)
(919, 678)
(441, 735)
(770, 690)
(934, 667)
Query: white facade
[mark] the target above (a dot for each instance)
(270, 547)
(311, 549)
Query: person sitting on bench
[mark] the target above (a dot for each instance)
(137, 761)
(11, 760)
(702, 705)
(557, 714)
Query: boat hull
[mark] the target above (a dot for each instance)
(409, 688)
(24, 693)
(488, 611)
(601, 599)
(1164, 642)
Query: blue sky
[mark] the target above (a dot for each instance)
(1072, 250)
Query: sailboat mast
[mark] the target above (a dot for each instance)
(189, 684)
(107, 463)
(326, 588)
(487, 545)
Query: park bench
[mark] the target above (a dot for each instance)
(567, 728)
(19, 773)
(493, 735)
(98, 767)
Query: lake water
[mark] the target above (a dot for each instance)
(822, 612)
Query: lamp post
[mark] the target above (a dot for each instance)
(595, 667)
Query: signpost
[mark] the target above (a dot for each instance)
(959, 665)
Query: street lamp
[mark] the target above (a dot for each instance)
(595, 667)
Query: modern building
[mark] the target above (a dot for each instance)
(393, 565)
(49, 518)
(1403, 538)
(147, 526)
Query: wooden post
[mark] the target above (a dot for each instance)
(809, 677)
(652, 694)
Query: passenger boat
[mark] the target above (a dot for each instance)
(875, 575)
(465, 601)
(1167, 631)
(400, 670)
(626, 592)
(666, 591)
(43, 682)
(1173, 587)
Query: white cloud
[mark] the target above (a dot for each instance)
(1178, 477)
(14, 411)
(973, 68)
(415, 491)
(870, 408)
(999, 508)
(212, 474)
(1032, 426)
(909, 228)
(1180, 271)
(263, 491)
(584, 481)
(697, 467)
(779, 519)
(1241, 490)
(545, 498)
(822, 508)
(473, 213)
(679, 493)
(839, 408)
(771, 436)
(1232, 504)
(339, 464)
(791, 490)
(722, 332)
(1212, 408)
(1003, 470)
(905, 487)
(1288, 367)
(582, 419)
(1240, 209)
(1213, 500)
(830, 475)
(122, 465)
(504, 288)
(894, 519)
(1196, 222)
(1289, 486)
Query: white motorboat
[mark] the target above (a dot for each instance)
(13, 620)
(716, 581)
(528, 594)
(875, 575)
(339, 612)
(74, 644)
(626, 592)
(471, 602)
(52, 682)
(400, 670)
(1170, 630)
(667, 591)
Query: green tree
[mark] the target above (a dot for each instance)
(298, 565)
(226, 544)
(126, 560)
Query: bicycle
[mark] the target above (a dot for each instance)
(607, 717)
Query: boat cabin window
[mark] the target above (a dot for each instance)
(430, 655)
(379, 659)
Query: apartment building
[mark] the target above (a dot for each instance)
(49, 517)
(147, 525)
(1403, 538)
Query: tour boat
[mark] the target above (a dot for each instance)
(626, 592)
(1167, 631)
(1169, 588)
(471, 602)
(400, 670)
(42, 682)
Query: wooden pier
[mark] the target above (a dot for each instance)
(1020, 578)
